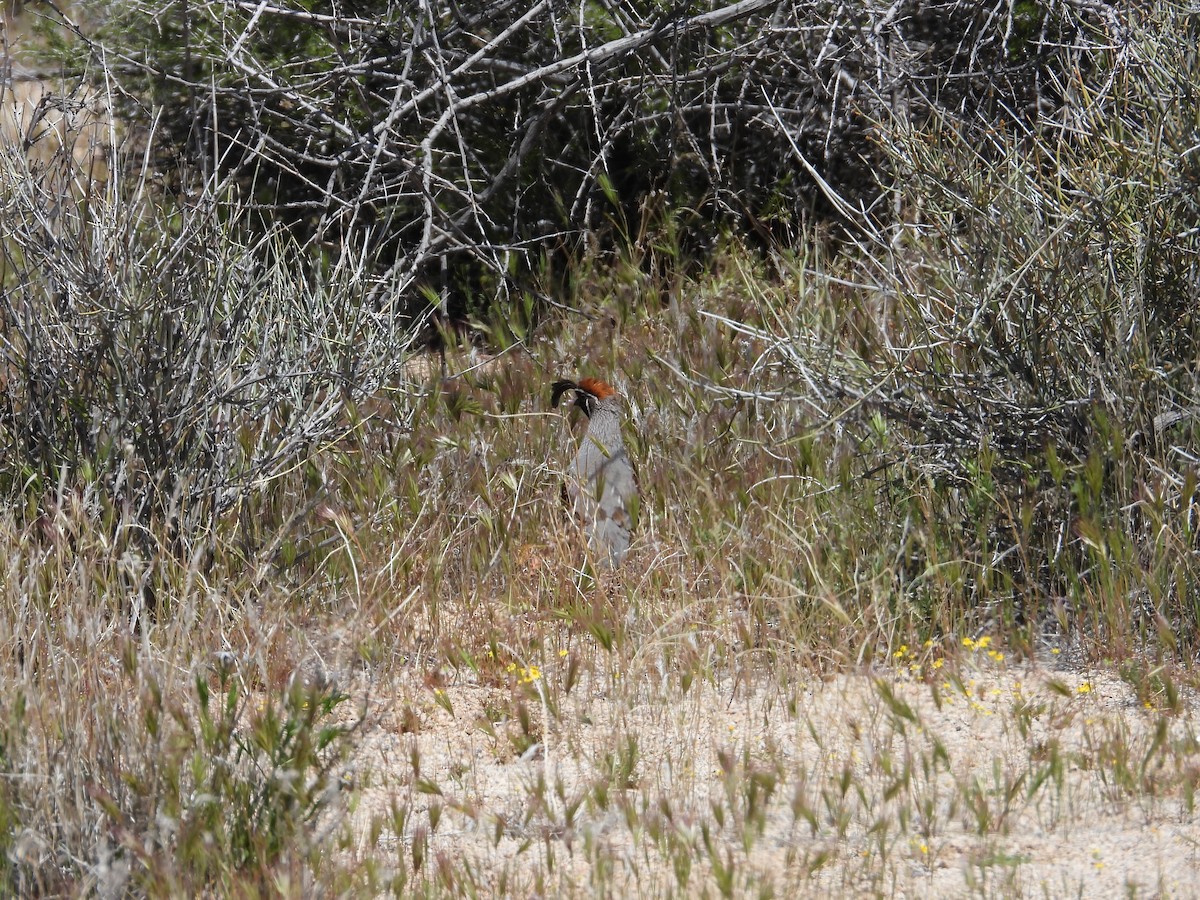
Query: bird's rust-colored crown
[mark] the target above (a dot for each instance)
(597, 388)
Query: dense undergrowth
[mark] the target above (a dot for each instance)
(232, 485)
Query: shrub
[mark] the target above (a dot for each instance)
(151, 349)
(1028, 335)
(466, 142)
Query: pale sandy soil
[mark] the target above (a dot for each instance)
(869, 797)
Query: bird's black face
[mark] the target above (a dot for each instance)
(586, 402)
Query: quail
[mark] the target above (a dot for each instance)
(601, 488)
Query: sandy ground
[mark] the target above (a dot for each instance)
(1025, 781)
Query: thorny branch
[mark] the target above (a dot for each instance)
(470, 139)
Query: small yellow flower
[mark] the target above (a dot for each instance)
(938, 663)
(969, 643)
(983, 642)
(562, 652)
(1084, 688)
(1055, 651)
(996, 655)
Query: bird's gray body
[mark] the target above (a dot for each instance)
(602, 488)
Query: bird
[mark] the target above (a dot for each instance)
(601, 489)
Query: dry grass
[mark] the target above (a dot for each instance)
(736, 710)
(354, 647)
